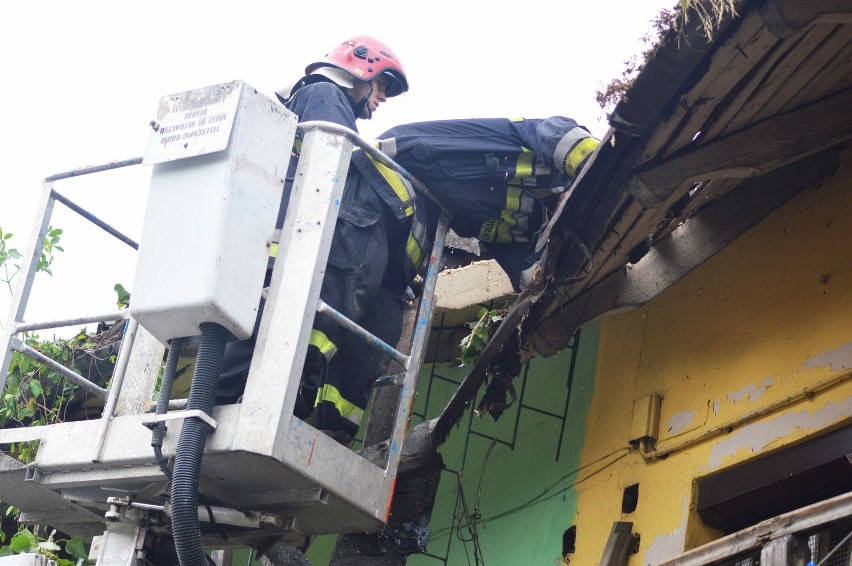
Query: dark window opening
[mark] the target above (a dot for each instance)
(569, 540)
(777, 483)
(630, 498)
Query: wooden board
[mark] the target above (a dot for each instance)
(777, 78)
(759, 148)
(725, 69)
(725, 113)
(838, 75)
(790, 93)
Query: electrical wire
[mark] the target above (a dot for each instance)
(470, 521)
(163, 462)
(540, 498)
(482, 474)
(545, 494)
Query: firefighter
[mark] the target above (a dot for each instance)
(498, 177)
(372, 228)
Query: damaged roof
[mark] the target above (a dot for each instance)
(711, 137)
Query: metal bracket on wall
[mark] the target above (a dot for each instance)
(619, 544)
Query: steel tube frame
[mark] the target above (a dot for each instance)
(418, 351)
(371, 339)
(95, 220)
(115, 386)
(68, 374)
(94, 169)
(21, 296)
(374, 152)
(32, 254)
(412, 362)
(27, 326)
(334, 466)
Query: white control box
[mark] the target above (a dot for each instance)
(220, 156)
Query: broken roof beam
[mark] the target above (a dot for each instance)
(619, 220)
(754, 151)
(688, 246)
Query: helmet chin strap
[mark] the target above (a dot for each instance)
(363, 104)
(359, 108)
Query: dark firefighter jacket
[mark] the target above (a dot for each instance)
(493, 174)
(366, 275)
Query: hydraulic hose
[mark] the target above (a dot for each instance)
(159, 430)
(193, 436)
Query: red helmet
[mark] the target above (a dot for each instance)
(366, 58)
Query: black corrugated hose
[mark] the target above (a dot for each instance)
(183, 496)
(159, 430)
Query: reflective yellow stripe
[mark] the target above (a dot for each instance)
(507, 218)
(273, 249)
(524, 165)
(396, 183)
(347, 410)
(415, 254)
(488, 231)
(321, 341)
(418, 244)
(513, 222)
(579, 153)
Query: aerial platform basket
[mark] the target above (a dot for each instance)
(265, 473)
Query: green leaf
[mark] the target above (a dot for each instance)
(36, 388)
(76, 548)
(481, 327)
(123, 296)
(23, 541)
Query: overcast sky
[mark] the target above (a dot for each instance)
(81, 82)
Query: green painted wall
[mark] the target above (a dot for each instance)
(525, 496)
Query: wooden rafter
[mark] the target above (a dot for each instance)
(755, 150)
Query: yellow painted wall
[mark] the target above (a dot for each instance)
(765, 319)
